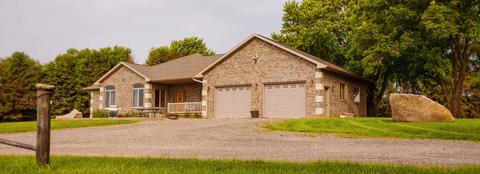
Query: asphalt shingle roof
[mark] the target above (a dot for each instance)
(182, 68)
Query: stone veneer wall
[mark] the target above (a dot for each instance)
(337, 105)
(94, 96)
(275, 66)
(123, 80)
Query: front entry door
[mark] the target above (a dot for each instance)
(180, 96)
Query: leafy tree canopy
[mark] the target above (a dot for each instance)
(316, 27)
(18, 75)
(76, 69)
(423, 47)
(178, 48)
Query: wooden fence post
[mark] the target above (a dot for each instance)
(43, 123)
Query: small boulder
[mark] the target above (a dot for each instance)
(73, 114)
(417, 108)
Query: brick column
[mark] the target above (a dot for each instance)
(319, 91)
(204, 98)
(92, 94)
(100, 98)
(148, 95)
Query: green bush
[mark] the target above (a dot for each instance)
(100, 113)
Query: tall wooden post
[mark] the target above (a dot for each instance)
(43, 123)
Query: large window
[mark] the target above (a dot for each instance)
(109, 96)
(138, 95)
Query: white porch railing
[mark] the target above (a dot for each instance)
(187, 107)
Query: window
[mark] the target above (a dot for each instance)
(356, 95)
(138, 95)
(109, 96)
(157, 98)
(342, 91)
(163, 99)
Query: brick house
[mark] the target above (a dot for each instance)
(259, 74)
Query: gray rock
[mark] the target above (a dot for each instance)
(73, 114)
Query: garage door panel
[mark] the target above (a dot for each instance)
(285, 100)
(232, 102)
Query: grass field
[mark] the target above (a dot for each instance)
(29, 126)
(73, 164)
(461, 129)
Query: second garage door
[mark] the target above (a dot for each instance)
(232, 102)
(285, 100)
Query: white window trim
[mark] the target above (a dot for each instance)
(109, 99)
(136, 103)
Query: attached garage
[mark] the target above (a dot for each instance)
(232, 102)
(285, 100)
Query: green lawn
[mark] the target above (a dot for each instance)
(29, 126)
(461, 129)
(74, 164)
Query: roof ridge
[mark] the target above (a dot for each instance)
(177, 59)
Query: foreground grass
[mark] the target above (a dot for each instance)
(73, 164)
(461, 129)
(29, 126)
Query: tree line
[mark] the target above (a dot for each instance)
(429, 47)
(70, 72)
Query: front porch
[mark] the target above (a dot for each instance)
(176, 98)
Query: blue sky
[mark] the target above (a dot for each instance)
(46, 28)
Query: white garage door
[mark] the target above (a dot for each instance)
(285, 100)
(232, 102)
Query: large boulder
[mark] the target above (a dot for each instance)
(73, 114)
(417, 108)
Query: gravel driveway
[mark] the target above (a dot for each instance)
(244, 139)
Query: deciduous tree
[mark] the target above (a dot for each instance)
(176, 49)
(18, 75)
(76, 69)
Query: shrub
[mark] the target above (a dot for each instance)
(100, 113)
(132, 114)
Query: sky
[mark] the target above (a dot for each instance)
(46, 28)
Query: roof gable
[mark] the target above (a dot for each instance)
(246, 41)
(322, 64)
(118, 66)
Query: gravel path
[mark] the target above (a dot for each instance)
(244, 139)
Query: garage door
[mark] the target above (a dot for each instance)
(285, 100)
(232, 102)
